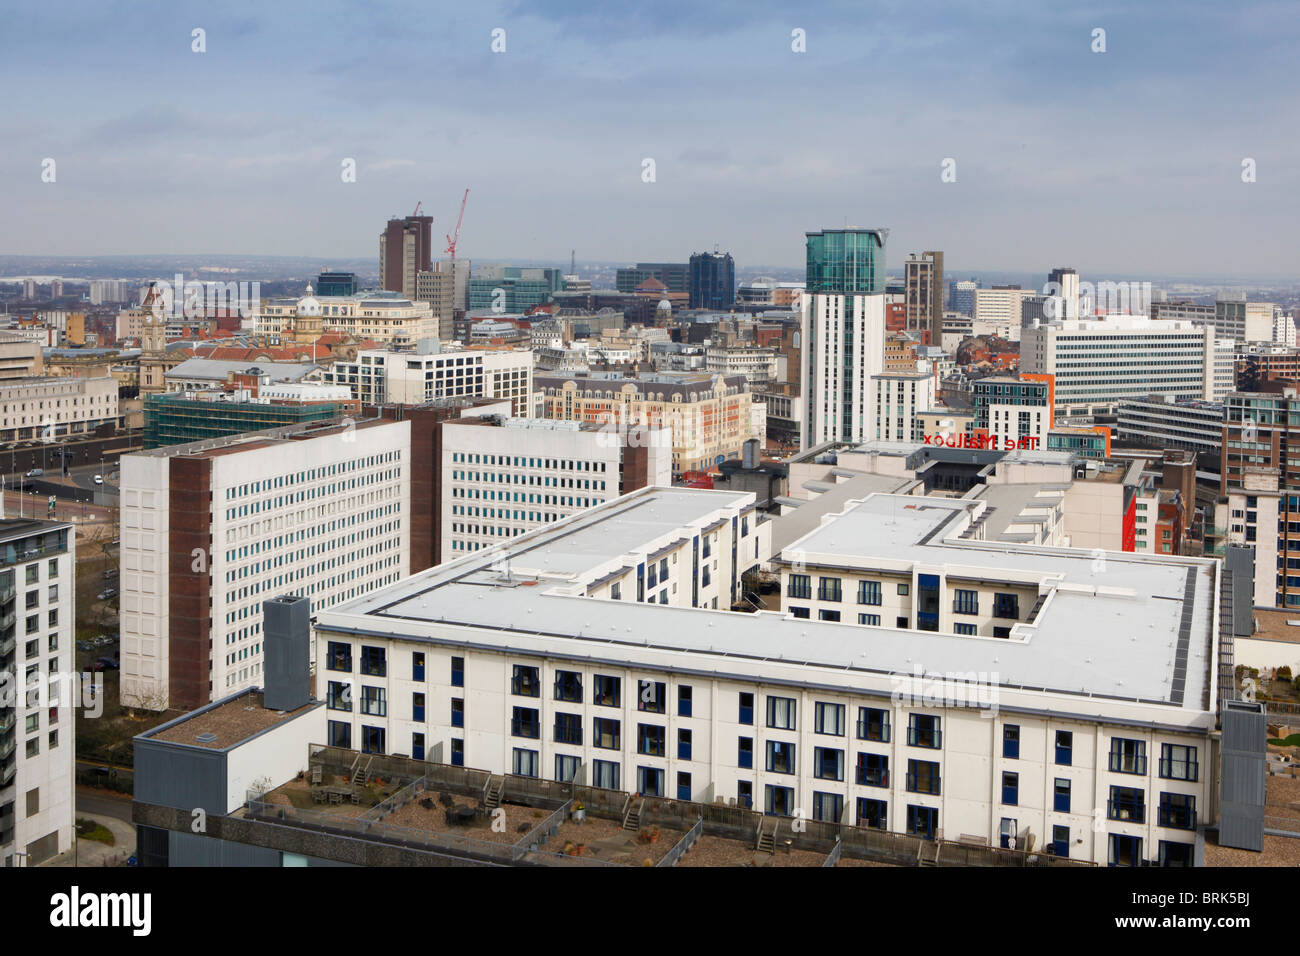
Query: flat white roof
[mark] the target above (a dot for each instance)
(1129, 638)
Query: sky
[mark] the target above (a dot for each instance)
(1117, 162)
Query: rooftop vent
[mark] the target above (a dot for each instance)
(206, 738)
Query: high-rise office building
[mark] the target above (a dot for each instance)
(713, 280)
(1063, 282)
(405, 249)
(842, 332)
(961, 296)
(438, 291)
(460, 270)
(676, 276)
(336, 283)
(316, 510)
(923, 286)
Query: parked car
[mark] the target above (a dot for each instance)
(35, 473)
(106, 663)
(99, 479)
(111, 573)
(107, 593)
(84, 645)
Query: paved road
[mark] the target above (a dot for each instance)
(103, 804)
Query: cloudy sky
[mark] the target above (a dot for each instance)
(1124, 161)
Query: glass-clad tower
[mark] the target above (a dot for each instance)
(842, 334)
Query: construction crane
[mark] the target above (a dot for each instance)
(455, 236)
(417, 208)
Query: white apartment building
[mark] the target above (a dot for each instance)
(45, 407)
(1097, 362)
(917, 680)
(318, 510)
(37, 706)
(502, 481)
(414, 377)
(1283, 328)
(899, 398)
(1225, 369)
(757, 365)
(844, 347)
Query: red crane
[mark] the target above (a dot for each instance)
(417, 209)
(455, 236)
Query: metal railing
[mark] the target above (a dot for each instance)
(397, 800)
(688, 840)
(374, 830)
(534, 838)
(833, 857)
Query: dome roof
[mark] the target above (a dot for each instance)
(309, 305)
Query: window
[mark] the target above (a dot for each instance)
(1061, 796)
(568, 728)
(34, 794)
(905, 589)
(1001, 631)
(1177, 810)
(568, 686)
(873, 813)
(652, 696)
(458, 672)
(650, 740)
(1007, 606)
(1007, 833)
(800, 586)
(525, 682)
(825, 615)
(1010, 788)
(873, 724)
(828, 589)
(923, 731)
(872, 620)
(683, 700)
(922, 821)
(745, 753)
(1127, 804)
(34, 747)
(828, 764)
(417, 746)
(374, 701)
(374, 662)
(873, 770)
(566, 767)
(339, 734)
(683, 745)
(922, 776)
(965, 602)
(524, 763)
(605, 774)
(829, 719)
(781, 713)
(1011, 741)
(1064, 747)
(607, 690)
(458, 712)
(780, 801)
(373, 740)
(746, 715)
(1128, 756)
(868, 592)
(969, 630)
(1125, 850)
(417, 707)
(1177, 854)
(1178, 762)
(339, 657)
(525, 723)
(827, 806)
(650, 781)
(605, 733)
(780, 757)
(338, 696)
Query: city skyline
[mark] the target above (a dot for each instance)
(241, 151)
